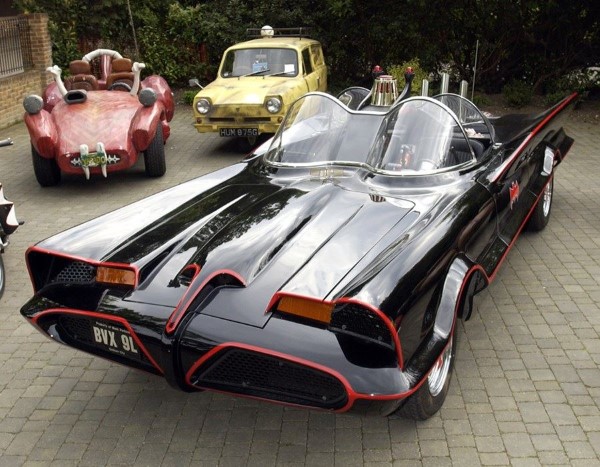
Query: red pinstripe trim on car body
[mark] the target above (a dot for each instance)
(353, 396)
(508, 163)
(492, 276)
(388, 322)
(92, 262)
(279, 295)
(192, 292)
(96, 315)
(477, 267)
(239, 345)
(192, 267)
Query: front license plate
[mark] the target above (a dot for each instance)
(238, 132)
(93, 159)
(115, 339)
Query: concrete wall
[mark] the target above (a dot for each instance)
(13, 89)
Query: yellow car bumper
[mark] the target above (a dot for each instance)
(238, 125)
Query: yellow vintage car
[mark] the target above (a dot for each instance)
(257, 81)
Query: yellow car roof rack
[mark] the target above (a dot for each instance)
(268, 31)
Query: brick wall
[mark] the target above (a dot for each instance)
(15, 88)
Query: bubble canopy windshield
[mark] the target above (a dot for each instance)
(417, 136)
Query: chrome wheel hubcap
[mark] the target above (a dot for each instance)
(439, 374)
(547, 201)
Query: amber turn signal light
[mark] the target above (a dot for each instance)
(310, 309)
(117, 276)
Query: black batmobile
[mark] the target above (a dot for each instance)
(326, 270)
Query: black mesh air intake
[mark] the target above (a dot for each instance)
(355, 320)
(250, 373)
(77, 328)
(76, 273)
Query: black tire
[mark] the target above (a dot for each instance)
(427, 400)
(541, 214)
(154, 156)
(2, 276)
(46, 171)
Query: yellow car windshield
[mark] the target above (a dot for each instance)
(260, 62)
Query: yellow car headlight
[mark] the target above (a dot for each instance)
(273, 104)
(203, 106)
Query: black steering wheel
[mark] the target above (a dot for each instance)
(119, 84)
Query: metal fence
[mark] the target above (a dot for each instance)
(15, 46)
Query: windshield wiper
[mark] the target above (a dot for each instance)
(280, 73)
(254, 73)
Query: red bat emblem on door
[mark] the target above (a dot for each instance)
(514, 193)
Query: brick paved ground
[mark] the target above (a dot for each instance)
(526, 390)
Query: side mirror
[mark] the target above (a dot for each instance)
(194, 82)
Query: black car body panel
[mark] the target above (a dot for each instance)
(332, 282)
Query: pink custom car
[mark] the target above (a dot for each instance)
(96, 124)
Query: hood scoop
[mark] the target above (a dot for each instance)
(301, 239)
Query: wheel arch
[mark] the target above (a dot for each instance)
(43, 133)
(144, 124)
(463, 281)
